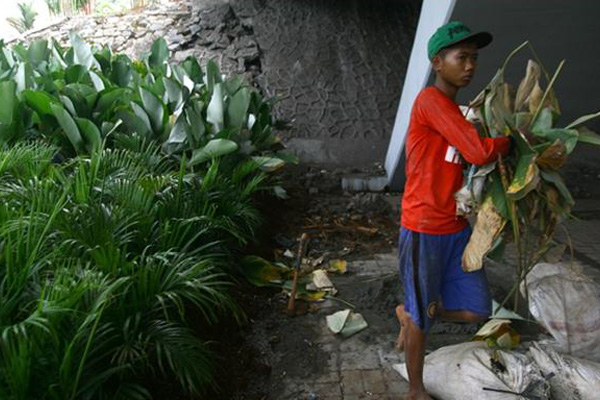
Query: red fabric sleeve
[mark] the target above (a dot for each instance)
(444, 116)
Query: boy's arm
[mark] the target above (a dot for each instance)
(442, 115)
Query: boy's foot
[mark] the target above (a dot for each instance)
(401, 315)
(418, 396)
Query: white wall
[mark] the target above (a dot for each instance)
(434, 13)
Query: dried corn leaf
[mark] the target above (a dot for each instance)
(532, 76)
(555, 179)
(568, 136)
(526, 178)
(535, 98)
(553, 157)
(488, 227)
(582, 119)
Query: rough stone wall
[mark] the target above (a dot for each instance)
(337, 66)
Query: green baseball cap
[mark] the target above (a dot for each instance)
(452, 33)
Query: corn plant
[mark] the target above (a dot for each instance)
(526, 197)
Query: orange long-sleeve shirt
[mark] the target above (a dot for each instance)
(438, 135)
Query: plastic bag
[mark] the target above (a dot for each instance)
(472, 371)
(574, 378)
(567, 304)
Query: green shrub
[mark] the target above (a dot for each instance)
(126, 190)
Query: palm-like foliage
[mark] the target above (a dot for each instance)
(26, 19)
(102, 260)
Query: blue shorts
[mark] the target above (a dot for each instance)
(431, 270)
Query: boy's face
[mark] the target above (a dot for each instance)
(457, 64)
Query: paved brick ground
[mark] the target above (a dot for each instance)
(360, 367)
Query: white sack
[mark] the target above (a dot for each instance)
(567, 304)
(460, 372)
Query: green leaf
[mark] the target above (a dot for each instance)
(544, 121)
(24, 77)
(97, 81)
(38, 52)
(214, 148)
(110, 98)
(555, 179)
(68, 125)
(174, 93)
(11, 122)
(526, 177)
(121, 72)
(75, 74)
(496, 192)
(214, 113)
(90, 133)
(568, 136)
(588, 136)
(213, 75)
(237, 110)
(261, 272)
(82, 52)
(143, 116)
(155, 109)
(233, 84)
(159, 53)
(582, 119)
(40, 102)
(193, 69)
(133, 123)
(269, 164)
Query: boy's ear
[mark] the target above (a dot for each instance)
(436, 62)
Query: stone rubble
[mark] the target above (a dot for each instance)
(190, 29)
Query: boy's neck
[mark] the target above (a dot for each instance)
(446, 88)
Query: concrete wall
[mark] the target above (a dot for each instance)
(338, 68)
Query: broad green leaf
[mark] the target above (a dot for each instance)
(583, 119)
(40, 102)
(68, 125)
(38, 52)
(11, 122)
(174, 93)
(142, 115)
(178, 134)
(24, 77)
(121, 72)
(97, 81)
(215, 111)
(588, 136)
(159, 53)
(232, 85)
(193, 70)
(555, 179)
(90, 133)
(8, 100)
(78, 99)
(75, 74)
(497, 194)
(261, 272)
(526, 177)
(568, 136)
(280, 193)
(68, 104)
(269, 164)
(110, 98)
(214, 148)
(196, 123)
(133, 123)
(155, 109)
(82, 52)
(237, 110)
(213, 75)
(544, 121)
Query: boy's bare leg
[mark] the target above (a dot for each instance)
(402, 316)
(415, 353)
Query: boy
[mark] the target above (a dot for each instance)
(432, 237)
